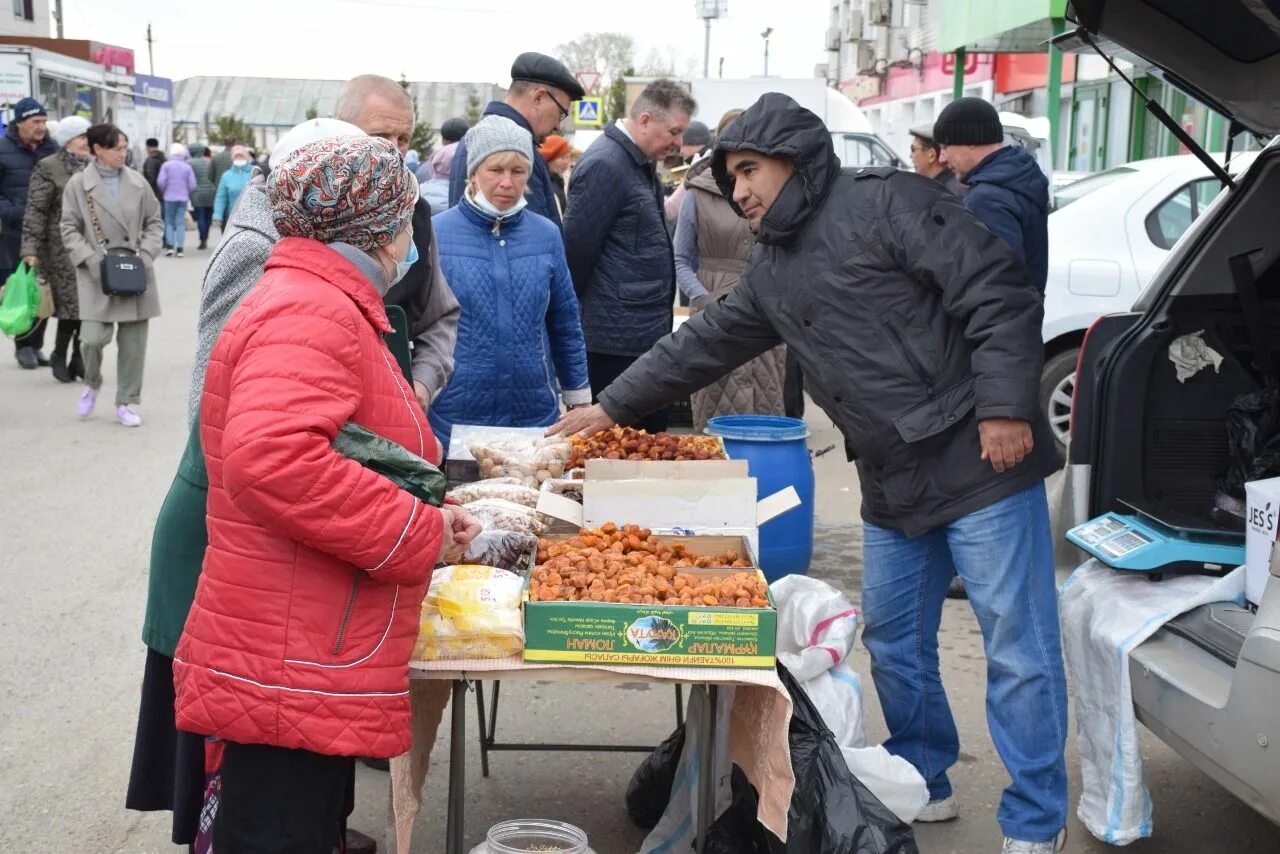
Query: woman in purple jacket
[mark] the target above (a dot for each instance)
(177, 180)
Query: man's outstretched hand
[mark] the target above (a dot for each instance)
(583, 421)
(1005, 441)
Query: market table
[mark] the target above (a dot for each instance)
(757, 739)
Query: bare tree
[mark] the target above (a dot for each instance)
(608, 53)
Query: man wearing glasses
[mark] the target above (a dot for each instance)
(926, 157)
(541, 91)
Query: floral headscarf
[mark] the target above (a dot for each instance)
(354, 190)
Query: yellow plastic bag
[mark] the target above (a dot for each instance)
(470, 612)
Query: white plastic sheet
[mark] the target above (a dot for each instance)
(1106, 614)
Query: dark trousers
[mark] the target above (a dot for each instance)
(204, 219)
(603, 369)
(793, 388)
(281, 801)
(33, 339)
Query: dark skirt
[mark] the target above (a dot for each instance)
(168, 765)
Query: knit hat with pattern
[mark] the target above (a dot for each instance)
(353, 190)
(493, 134)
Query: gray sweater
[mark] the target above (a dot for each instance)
(237, 264)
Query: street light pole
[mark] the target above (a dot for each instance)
(706, 49)
(765, 35)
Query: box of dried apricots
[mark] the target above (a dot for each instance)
(623, 595)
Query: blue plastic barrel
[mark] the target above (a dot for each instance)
(777, 457)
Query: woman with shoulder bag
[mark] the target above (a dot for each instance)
(112, 230)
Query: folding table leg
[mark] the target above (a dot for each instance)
(484, 735)
(679, 706)
(454, 828)
(706, 773)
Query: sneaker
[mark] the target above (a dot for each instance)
(1018, 846)
(946, 809)
(88, 399)
(128, 417)
(168, 253)
(179, 253)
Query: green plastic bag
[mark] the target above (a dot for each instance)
(21, 302)
(402, 467)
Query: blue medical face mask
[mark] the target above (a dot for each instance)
(402, 267)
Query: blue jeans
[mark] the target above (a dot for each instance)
(175, 224)
(1004, 554)
(204, 219)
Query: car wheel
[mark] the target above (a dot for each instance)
(1057, 384)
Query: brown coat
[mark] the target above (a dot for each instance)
(130, 220)
(42, 231)
(724, 244)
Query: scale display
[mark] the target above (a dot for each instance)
(1141, 543)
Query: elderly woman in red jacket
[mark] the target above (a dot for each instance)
(296, 649)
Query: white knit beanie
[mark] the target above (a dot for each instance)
(493, 134)
(70, 128)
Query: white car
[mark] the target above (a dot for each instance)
(1108, 233)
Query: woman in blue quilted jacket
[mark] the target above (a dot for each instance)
(520, 347)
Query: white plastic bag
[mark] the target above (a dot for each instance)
(817, 625)
(1105, 614)
(892, 779)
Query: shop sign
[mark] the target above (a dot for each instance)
(15, 78)
(155, 92)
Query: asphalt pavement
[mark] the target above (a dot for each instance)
(78, 501)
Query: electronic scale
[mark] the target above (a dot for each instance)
(1161, 542)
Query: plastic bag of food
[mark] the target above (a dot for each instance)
(479, 591)
(504, 549)
(500, 515)
(470, 612)
(565, 488)
(516, 492)
(532, 460)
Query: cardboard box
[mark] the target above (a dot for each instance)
(710, 506)
(670, 635)
(1263, 499)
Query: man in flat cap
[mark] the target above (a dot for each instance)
(541, 93)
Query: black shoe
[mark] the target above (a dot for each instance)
(75, 366)
(59, 365)
(956, 589)
(377, 764)
(204, 244)
(358, 843)
(26, 357)
(41, 359)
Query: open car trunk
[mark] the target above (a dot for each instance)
(1162, 444)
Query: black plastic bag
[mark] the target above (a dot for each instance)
(1253, 445)
(832, 812)
(650, 788)
(737, 830)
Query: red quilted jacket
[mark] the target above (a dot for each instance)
(307, 608)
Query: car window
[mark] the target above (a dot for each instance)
(860, 150)
(1172, 217)
(1073, 191)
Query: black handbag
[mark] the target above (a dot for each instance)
(123, 272)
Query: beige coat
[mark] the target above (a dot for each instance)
(724, 244)
(132, 220)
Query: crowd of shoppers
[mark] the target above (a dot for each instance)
(533, 286)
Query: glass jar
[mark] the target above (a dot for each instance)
(536, 834)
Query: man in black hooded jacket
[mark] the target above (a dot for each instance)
(919, 334)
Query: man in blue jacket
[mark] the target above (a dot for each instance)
(24, 144)
(615, 235)
(1007, 190)
(539, 99)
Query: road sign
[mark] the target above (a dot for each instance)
(588, 79)
(589, 111)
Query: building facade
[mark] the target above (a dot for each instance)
(897, 59)
(271, 106)
(26, 18)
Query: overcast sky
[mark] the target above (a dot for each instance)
(462, 40)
